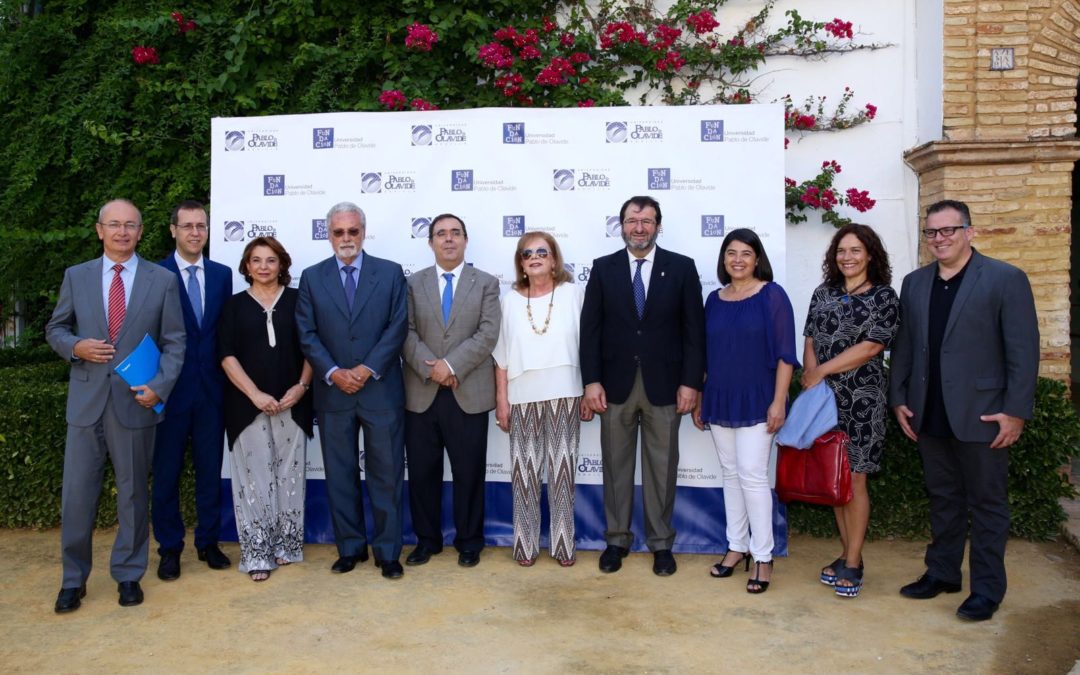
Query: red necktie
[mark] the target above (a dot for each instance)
(116, 303)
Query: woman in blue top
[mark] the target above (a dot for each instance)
(750, 356)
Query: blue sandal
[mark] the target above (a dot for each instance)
(854, 577)
(830, 579)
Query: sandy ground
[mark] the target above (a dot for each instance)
(498, 617)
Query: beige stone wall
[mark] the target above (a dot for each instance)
(1010, 145)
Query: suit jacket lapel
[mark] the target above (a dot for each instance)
(335, 290)
(656, 281)
(462, 290)
(93, 285)
(212, 299)
(967, 287)
(140, 289)
(624, 284)
(365, 287)
(185, 301)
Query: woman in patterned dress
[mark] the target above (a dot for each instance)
(260, 351)
(538, 394)
(852, 320)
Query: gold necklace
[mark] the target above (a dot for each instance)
(528, 311)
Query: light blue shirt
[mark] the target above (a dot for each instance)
(200, 274)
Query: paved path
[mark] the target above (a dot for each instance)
(498, 617)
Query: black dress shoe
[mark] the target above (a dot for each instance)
(214, 558)
(468, 558)
(611, 558)
(663, 563)
(346, 563)
(927, 586)
(130, 593)
(169, 567)
(977, 608)
(391, 569)
(421, 554)
(69, 599)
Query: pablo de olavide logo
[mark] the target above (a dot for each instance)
(660, 179)
(235, 141)
(267, 228)
(712, 131)
(613, 227)
(712, 226)
(514, 133)
(513, 226)
(376, 182)
(274, 185)
(616, 132)
(563, 180)
(322, 138)
(234, 230)
(420, 226)
(371, 183)
(461, 180)
(445, 134)
(421, 134)
(318, 229)
(646, 131)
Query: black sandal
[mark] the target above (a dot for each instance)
(854, 577)
(830, 579)
(252, 574)
(756, 585)
(721, 571)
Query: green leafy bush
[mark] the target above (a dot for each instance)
(898, 503)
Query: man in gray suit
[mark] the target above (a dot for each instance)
(454, 319)
(106, 307)
(352, 317)
(964, 367)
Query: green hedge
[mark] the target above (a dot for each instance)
(898, 503)
(32, 429)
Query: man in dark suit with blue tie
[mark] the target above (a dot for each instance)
(353, 318)
(964, 368)
(643, 365)
(195, 408)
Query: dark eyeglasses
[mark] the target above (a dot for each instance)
(931, 233)
(539, 253)
(352, 232)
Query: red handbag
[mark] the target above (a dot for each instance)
(820, 475)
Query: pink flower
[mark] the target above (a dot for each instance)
(702, 22)
(860, 200)
(178, 18)
(789, 182)
(579, 57)
(566, 39)
(392, 99)
(624, 32)
(606, 42)
(504, 34)
(804, 121)
(810, 197)
(871, 110)
(529, 37)
(556, 72)
(495, 55)
(549, 25)
(509, 83)
(672, 60)
(828, 199)
(839, 29)
(144, 55)
(420, 38)
(587, 103)
(188, 26)
(737, 42)
(421, 104)
(665, 36)
(830, 165)
(529, 53)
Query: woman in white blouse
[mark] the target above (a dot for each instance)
(538, 394)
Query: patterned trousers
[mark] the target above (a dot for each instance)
(544, 433)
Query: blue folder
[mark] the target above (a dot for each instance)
(141, 365)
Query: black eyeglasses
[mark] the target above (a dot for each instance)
(539, 253)
(931, 233)
(352, 232)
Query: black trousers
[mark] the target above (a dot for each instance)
(967, 481)
(464, 436)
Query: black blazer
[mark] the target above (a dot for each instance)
(990, 354)
(668, 342)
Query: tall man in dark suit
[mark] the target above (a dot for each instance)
(642, 364)
(352, 317)
(454, 319)
(106, 307)
(195, 409)
(964, 367)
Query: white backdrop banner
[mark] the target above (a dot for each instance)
(505, 172)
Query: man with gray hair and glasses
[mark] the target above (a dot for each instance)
(353, 318)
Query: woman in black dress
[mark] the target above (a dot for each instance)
(852, 320)
(260, 351)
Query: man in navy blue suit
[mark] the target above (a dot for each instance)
(353, 319)
(194, 411)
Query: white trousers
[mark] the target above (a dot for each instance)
(744, 461)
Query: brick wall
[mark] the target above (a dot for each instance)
(1010, 145)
